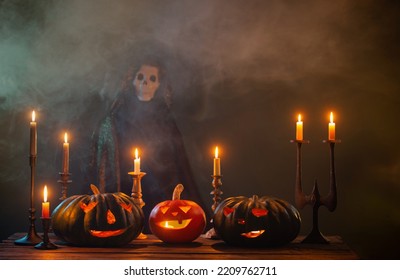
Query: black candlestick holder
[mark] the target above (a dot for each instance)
(46, 244)
(217, 197)
(31, 238)
(315, 199)
(137, 193)
(64, 181)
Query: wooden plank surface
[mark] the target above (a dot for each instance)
(202, 248)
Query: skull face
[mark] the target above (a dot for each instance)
(146, 82)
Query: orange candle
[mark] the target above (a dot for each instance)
(33, 132)
(45, 205)
(65, 166)
(331, 131)
(217, 163)
(136, 166)
(299, 129)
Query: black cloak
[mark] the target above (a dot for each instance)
(150, 127)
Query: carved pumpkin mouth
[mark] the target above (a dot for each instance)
(174, 224)
(253, 234)
(106, 233)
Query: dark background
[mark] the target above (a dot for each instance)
(241, 71)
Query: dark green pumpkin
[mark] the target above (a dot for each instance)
(264, 221)
(98, 220)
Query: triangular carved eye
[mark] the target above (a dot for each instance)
(259, 212)
(228, 210)
(185, 209)
(87, 207)
(164, 209)
(127, 207)
(123, 204)
(110, 217)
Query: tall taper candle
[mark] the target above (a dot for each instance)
(65, 166)
(33, 132)
(217, 163)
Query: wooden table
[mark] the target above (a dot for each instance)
(201, 249)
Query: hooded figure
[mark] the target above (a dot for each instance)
(140, 118)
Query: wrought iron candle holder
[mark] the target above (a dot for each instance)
(64, 181)
(46, 244)
(31, 238)
(315, 199)
(137, 194)
(216, 193)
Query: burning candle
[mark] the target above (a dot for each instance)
(331, 133)
(136, 169)
(65, 166)
(33, 130)
(217, 163)
(45, 205)
(299, 129)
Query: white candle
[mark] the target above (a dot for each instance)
(217, 163)
(45, 205)
(65, 154)
(136, 169)
(33, 132)
(299, 129)
(331, 131)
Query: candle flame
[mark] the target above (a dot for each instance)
(65, 137)
(45, 194)
(299, 118)
(216, 152)
(136, 154)
(331, 117)
(33, 116)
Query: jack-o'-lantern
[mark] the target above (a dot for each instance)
(177, 220)
(264, 221)
(98, 220)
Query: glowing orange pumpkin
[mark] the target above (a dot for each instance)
(176, 220)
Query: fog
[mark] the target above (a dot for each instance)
(240, 74)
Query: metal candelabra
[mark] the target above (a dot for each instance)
(46, 244)
(315, 199)
(31, 238)
(137, 194)
(64, 181)
(216, 193)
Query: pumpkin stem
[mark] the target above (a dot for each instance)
(94, 189)
(177, 192)
(255, 197)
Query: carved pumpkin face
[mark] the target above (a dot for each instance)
(101, 220)
(176, 220)
(256, 221)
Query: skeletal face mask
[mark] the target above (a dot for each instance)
(146, 82)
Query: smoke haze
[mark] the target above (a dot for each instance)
(240, 72)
